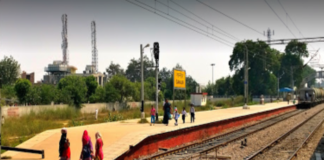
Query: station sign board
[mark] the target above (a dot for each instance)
(179, 79)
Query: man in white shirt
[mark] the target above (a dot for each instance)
(192, 113)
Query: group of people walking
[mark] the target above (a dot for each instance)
(87, 152)
(167, 114)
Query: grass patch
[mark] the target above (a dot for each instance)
(17, 130)
(143, 121)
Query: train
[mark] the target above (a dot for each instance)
(309, 97)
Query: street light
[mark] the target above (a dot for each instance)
(142, 81)
(213, 64)
(246, 77)
(0, 113)
(279, 77)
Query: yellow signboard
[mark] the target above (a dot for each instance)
(179, 79)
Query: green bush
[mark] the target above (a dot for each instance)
(219, 103)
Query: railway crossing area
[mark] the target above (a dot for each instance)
(128, 137)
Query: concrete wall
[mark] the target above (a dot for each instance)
(87, 108)
(219, 99)
(266, 99)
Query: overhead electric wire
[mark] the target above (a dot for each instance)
(292, 21)
(182, 21)
(290, 18)
(279, 18)
(195, 20)
(203, 19)
(219, 39)
(179, 23)
(230, 17)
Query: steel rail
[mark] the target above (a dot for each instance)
(213, 148)
(269, 145)
(294, 155)
(177, 150)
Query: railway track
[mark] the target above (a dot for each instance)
(201, 149)
(288, 144)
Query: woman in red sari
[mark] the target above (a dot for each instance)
(99, 144)
(64, 146)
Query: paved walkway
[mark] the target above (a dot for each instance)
(118, 136)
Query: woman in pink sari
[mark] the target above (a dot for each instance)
(87, 148)
(99, 144)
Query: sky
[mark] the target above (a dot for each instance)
(30, 31)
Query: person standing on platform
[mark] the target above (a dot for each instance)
(184, 115)
(87, 148)
(176, 116)
(152, 115)
(64, 146)
(99, 143)
(288, 97)
(192, 113)
(167, 111)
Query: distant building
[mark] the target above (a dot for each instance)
(198, 98)
(58, 70)
(30, 76)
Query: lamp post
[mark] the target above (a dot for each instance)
(0, 114)
(142, 81)
(213, 64)
(279, 77)
(246, 77)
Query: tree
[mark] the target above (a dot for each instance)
(165, 74)
(22, 88)
(114, 69)
(133, 72)
(191, 85)
(263, 63)
(122, 85)
(33, 96)
(150, 88)
(47, 93)
(297, 48)
(292, 63)
(8, 91)
(75, 87)
(99, 96)
(9, 70)
(308, 71)
(62, 96)
(111, 94)
(208, 88)
(92, 85)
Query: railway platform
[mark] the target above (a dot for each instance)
(124, 138)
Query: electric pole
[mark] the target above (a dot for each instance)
(0, 115)
(246, 78)
(279, 77)
(142, 81)
(292, 77)
(212, 77)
